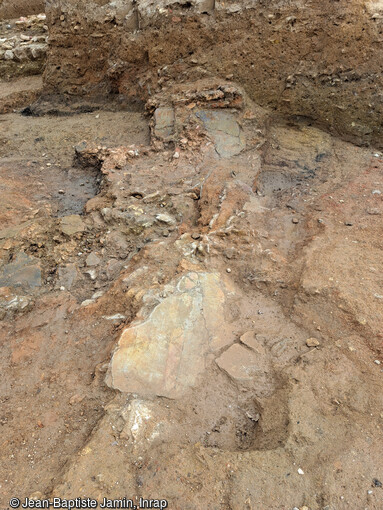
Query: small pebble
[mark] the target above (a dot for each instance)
(295, 220)
(376, 192)
(312, 342)
(195, 235)
(62, 288)
(176, 155)
(61, 192)
(228, 270)
(300, 471)
(87, 302)
(377, 362)
(376, 482)
(348, 223)
(8, 55)
(35, 496)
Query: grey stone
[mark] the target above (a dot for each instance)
(165, 354)
(72, 224)
(232, 7)
(92, 260)
(113, 268)
(92, 274)
(9, 55)
(204, 5)
(224, 130)
(37, 51)
(23, 272)
(14, 303)
(21, 53)
(148, 9)
(166, 218)
(164, 123)
(12, 232)
(68, 276)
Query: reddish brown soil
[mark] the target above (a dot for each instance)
(304, 259)
(291, 221)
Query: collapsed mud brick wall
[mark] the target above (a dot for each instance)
(320, 59)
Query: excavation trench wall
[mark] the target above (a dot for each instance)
(16, 8)
(321, 59)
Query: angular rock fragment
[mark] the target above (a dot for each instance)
(239, 363)
(249, 366)
(166, 218)
(312, 342)
(92, 260)
(72, 224)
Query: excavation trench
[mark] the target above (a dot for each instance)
(203, 325)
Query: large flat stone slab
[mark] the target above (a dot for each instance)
(224, 130)
(165, 354)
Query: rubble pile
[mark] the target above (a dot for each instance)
(23, 45)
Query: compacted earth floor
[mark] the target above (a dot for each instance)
(191, 305)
